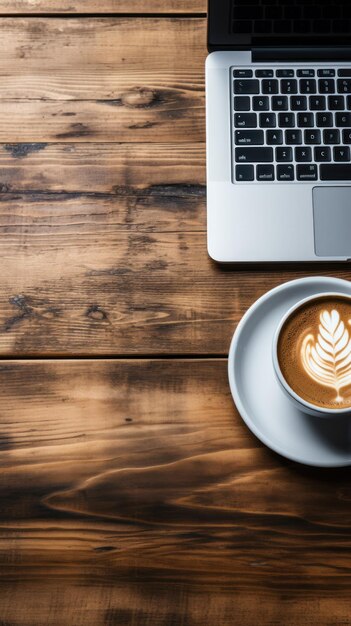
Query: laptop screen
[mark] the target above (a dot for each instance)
(290, 22)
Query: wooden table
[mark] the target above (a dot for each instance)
(131, 493)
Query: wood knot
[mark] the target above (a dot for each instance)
(140, 98)
(96, 313)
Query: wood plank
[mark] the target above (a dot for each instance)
(102, 6)
(131, 492)
(102, 80)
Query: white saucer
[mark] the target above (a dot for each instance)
(322, 442)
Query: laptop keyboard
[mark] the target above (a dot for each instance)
(291, 125)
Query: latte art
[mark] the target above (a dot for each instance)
(328, 359)
(314, 351)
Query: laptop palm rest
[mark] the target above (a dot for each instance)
(332, 221)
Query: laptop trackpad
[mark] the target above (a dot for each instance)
(332, 221)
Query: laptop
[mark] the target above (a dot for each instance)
(278, 117)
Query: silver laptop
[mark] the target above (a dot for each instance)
(278, 94)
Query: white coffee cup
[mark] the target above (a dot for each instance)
(297, 400)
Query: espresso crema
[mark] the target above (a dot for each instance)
(314, 352)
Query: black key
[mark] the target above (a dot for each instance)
(249, 137)
(265, 173)
(303, 155)
(293, 137)
(308, 85)
(343, 119)
(324, 120)
(274, 137)
(243, 73)
(253, 155)
(246, 86)
(245, 120)
(322, 154)
(242, 103)
(317, 103)
(260, 103)
(307, 172)
(305, 120)
(244, 172)
(305, 73)
(288, 86)
(346, 135)
(344, 85)
(348, 99)
(267, 120)
(270, 87)
(298, 103)
(335, 172)
(280, 103)
(264, 73)
(312, 137)
(327, 72)
(285, 172)
(283, 155)
(331, 136)
(287, 73)
(286, 120)
(344, 73)
(326, 86)
(336, 103)
(341, 153)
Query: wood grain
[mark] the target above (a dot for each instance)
(131, 492)
(108, 80)
(102, 6)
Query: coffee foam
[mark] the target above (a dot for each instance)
(314, 352)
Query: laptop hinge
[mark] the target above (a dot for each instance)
(301, 54)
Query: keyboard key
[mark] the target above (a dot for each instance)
(336, 103)
(326, 86)
(274, 137)
(332, 136)
(344, 73)
(324, 120)
(249, 137)
(253, 155)
(244, 173)
(286, 73)
(322, 154)
(335, 172)
(288, 86)
(245, 120)
(270, 87)
(242, 103)
(280, 103)
(327, 72)
(286, 120)
(312, 137)
(317, 103)
(267, 120)
(344, 86)
(305, 120)
(303, 155)
(341, 153)
(305, 73)
(343, 119)
(346, 135)
(243, 73)
(308, 85)
(265, 173)
(247, 86)
(283, 155)
(264, 73)
(260, 103)
(307, 172)
(298, 103)
(285, 173)
(293, 137)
